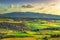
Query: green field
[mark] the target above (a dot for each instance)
(30, 28)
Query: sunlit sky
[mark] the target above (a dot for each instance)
(39, 6)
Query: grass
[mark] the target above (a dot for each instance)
(33, 25)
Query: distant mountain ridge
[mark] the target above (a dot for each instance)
(29, 15)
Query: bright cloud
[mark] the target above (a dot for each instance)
(51, 8)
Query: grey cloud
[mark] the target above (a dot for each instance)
(27, 6)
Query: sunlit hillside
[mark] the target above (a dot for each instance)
(11, 28)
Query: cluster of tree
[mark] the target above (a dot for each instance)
(55, 36)
(14, 26)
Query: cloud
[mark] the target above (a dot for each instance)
(52, 4)
(39, 8)
(27, 6)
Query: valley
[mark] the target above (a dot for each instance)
(23, 28)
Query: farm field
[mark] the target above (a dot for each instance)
(37, 29)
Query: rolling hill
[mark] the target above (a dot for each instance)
(28, 24)
(30, 15)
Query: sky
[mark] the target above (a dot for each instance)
(39, 6)
(23, 1)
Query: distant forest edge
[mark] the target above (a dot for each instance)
(30, 15)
